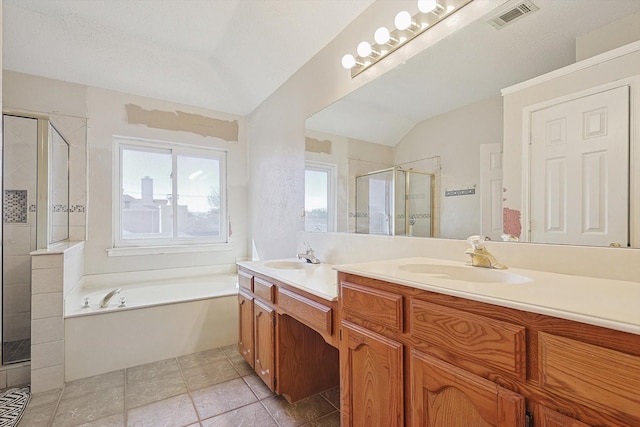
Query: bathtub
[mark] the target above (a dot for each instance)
(166, 314)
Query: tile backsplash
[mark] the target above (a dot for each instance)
(15, 208)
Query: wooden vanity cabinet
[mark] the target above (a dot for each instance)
(411, 357)
(287, 336)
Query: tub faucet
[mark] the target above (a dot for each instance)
(308, 255)
(480, 256)
(105, 301)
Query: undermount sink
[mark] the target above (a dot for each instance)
(287, 265)
(465, 274)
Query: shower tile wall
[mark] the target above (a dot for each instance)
(19, 225)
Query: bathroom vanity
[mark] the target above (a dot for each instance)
(423, 349)
(288, 325)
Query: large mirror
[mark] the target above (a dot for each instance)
(441, 112)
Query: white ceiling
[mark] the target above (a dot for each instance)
(472, 64)
(226, 55)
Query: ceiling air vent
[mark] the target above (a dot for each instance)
(512, 14)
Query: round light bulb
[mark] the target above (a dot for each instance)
(403, 20)
(348, 61)
(426, 6)
(382, 35)
(364, 49)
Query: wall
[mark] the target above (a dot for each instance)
(106, 116)
(275, 132)
(615, 34)
(454, 138)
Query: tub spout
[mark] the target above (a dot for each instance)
(105, 301)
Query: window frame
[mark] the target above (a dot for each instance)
(175, 149)
(332, 184)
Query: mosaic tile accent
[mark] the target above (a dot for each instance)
(76, 208)
(59, 208)
(33, 208)
(14, 207)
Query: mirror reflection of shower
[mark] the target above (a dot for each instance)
(396, 202)
(35, 213)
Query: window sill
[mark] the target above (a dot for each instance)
(173, 249)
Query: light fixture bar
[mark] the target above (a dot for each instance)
(429, 13)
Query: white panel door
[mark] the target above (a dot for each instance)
(579, 172)
(491, 190)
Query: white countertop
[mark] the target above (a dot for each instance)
(320, 280)
(611, 304)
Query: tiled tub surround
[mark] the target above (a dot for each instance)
(168, 313)
(210, 388)
(54, 271)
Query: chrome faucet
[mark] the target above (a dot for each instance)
(105, 301)
(308, 255)
(480, 256)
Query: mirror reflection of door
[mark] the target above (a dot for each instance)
(491, 190)
(579, 173)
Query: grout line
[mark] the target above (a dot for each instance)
(186, 386)
(125, 419)
(55, 407)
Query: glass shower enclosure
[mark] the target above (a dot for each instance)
(395, 202)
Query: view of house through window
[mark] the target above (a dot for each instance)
(319, 205)
(170, 194)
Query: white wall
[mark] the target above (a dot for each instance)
(455, 138)
(106, 116)
(275, 133)
(610, 36)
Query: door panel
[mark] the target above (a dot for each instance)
(579, 172)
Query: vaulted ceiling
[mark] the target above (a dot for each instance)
(226, 55)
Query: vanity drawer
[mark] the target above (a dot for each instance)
(589, 374)
(487, 342)
(245, 280)
(374, 305)
(264, 290)
(313, 314)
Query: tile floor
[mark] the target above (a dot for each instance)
(207, 389)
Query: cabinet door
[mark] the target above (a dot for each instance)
(446, 396)
(245, 329)
(550, 418)
(371, 379)
(264, 325)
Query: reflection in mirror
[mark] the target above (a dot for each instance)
(58, 187)
(442, 111)
(395, 202)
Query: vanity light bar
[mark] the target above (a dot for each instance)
(408, 27)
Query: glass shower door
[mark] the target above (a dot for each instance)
(18, 234)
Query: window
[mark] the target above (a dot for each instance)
(169, 194)
(319, 197)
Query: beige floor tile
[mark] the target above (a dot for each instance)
(223, 397)
(151, 371)
(202, 358)
(83, 386)
(215, 372)
(240, 364)
(331, 420)
(39, 416)
(258, 386)
(333, 396)
(95, 404)
(116, 420)
(174, 412)
(298, 413)
(254, 415)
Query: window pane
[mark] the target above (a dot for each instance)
(199, 197)
(146, 194)
(316, 197)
